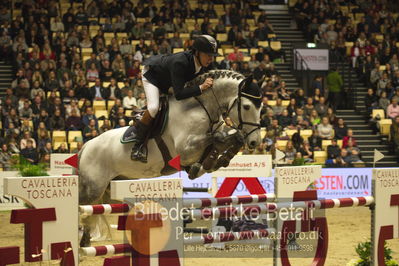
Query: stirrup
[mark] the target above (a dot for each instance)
(139, 153)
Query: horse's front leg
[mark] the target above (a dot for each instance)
(192, 152)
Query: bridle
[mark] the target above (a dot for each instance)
(241, 122)
(238, 102)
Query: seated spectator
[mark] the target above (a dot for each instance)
(70, 107)
(347, 138)
(306, 151)
(339, 161)
(138, 89)
(266, 119)
(282, 92)
(89, 115)
(321, 107)
(120, 114)
(121, 123)
(274, 130)
(56, 105)
(297, 139)
(98, 92)
(105, 127)
(308, 107)
(142, 101)
(29, 152)
(236, 55)
(290, 152)
(393, 109)
(107, 71)
(91, 60)
(42, 118)
(82, 90)
(26, 126)
(62, 148)
(314, 118)
(47, 149)
(36, 89)
(316, 96)
(353, 150)
(300, 119)
(74, 121)
(333, 150)
(291, 108)
(259, 72)
(68, 97)
(13, 146)
(134, 70)
(5, 157)
(43, 139)
(46, 160)
(78, 147)
(57, 121)
(265, 106)
(114, 91)
(90, 131)
(340, 130)
(284, 119)
(27, 137)
(278, 108)
(129, 102)
(332, 117)
(325, 129)
(245, 70)
(299, 96)
(92, 73)
(12, 118)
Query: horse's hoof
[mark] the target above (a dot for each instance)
(194, 170)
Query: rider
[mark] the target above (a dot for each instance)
(164, 71)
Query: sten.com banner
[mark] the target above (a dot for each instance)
(334, 183)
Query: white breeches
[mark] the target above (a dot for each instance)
(152, 95)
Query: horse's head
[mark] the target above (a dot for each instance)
(245, 111)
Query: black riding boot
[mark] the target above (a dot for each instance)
(139, 151)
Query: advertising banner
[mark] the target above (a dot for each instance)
(335, 182)
(58, 165)
(8, 202)
(316, 59)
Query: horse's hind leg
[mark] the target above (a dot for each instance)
(90, 192)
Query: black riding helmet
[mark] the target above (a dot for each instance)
(206, 44)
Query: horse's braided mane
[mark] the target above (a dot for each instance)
(215, 74)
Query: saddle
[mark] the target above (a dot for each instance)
(159, 124)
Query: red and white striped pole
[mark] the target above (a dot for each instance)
(106, 250)
(256, 209)
(103, 209)
(232, 200)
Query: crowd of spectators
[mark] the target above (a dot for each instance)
(93, 51)
(367, 33)
(68, 54)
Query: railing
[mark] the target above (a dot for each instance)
(302, 70)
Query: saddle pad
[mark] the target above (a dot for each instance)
(159, 124)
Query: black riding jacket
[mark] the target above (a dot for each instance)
(174, 71)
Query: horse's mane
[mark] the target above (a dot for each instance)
(215, 74)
